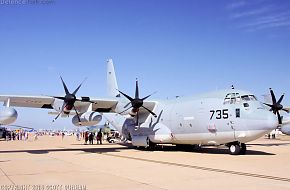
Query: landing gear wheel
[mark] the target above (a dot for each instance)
(235, 149)
(197, 147)
(151, 146)
(243, 148)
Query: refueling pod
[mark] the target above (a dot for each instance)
(7, 115)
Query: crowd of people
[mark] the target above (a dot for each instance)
(15, 135)
(89, 137)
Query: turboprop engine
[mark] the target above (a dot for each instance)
(7, 116)
(87, 119)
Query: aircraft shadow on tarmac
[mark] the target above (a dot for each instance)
(206, 150)
(87, 150)
(98, 149)
(270, 144)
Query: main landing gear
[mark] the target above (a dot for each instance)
(237, 148)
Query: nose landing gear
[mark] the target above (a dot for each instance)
(237, 148)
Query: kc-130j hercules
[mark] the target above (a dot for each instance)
(228, 117)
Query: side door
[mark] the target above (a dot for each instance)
(238, 124)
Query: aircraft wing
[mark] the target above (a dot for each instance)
(148, 104)
(98, 104)
(28, 101)
(143, 113)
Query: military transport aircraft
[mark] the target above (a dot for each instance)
(228, 117)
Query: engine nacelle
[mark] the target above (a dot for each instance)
(286, 129)
(87, 119)
(140, 141)
(8, 116)
(162, 134)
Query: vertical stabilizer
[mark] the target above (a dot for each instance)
(112, 85)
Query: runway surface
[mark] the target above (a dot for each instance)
(53, 163)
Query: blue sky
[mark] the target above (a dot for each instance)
(174, 47)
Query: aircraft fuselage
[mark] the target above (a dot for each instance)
(211, 119)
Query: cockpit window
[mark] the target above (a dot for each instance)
(253, 98)
(245, 98)
(232, 98)
(249, 98)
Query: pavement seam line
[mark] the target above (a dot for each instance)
(7, 176)
(205, 168)
(142, 183)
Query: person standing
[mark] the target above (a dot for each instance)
(91, 138)
(99, 137)
(86, 137)
(62, 135)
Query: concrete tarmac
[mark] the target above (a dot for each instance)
(52, 163)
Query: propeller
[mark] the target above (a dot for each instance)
(69, 100)
(136, 103)
(276, 106)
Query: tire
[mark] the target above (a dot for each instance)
(197, 147)
(151, 146)
(234, 149)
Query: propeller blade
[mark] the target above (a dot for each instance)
(148, 96)
(128, 97)
(77, 114)
(280, 100)
(63, 105)
(76, 90)
(273, 96)
(56, 117)
(150, 111)
(137, 90)
(125, 110)
(64, 86)
(279, 118)
(127, 105)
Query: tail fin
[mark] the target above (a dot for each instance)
(112, 85)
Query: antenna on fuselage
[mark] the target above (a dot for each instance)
(232, 87)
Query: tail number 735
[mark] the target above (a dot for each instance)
(219, 114)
